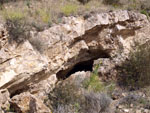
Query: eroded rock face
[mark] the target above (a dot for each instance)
(4, 98)
(61, 47)
(78, 78)
(26, 102)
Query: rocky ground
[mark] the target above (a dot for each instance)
(82, 65)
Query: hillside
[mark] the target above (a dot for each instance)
(41, 14)
(70, 56)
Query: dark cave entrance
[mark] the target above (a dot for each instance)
(82, 66)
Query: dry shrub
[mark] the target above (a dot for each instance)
(83, 1)
(97, 102)
(136, 71)
(145, 7)
(16, 26)
(65, 98)
(71, 99)
(111, 2)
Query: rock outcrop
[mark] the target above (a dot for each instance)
(26, 102)
(77, 41)
(4, 100)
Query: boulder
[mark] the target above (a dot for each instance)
(26, 102)
(4, 98)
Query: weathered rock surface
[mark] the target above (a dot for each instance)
(27, 103)
(4, 98)
(77, 78)
(58, 49)
(42, 89)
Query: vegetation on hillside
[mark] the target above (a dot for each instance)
(136, 70)
(40, 14)
(93, 95)
(21, 16)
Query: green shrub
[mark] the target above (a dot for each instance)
(96, 85)
(69, 9)
(144, 12)
(44, 15)
(13, 14)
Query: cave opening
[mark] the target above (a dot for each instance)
(82, 66)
